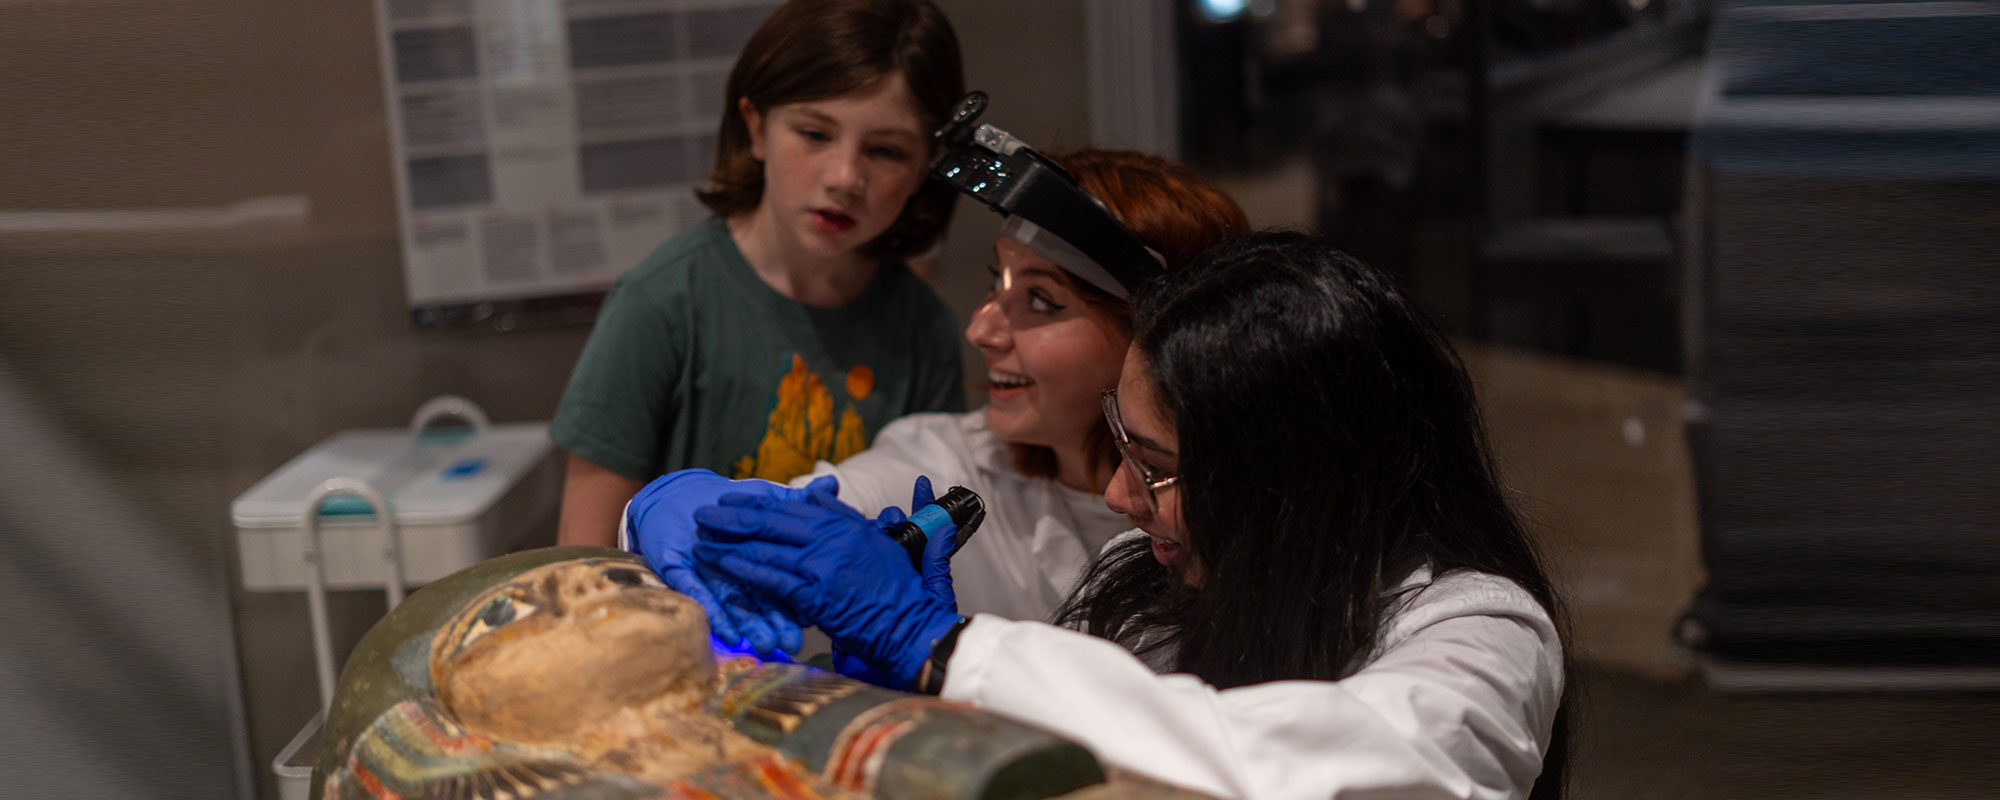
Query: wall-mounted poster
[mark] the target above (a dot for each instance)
(542, 147)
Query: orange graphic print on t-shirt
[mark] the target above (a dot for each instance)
(802, 429)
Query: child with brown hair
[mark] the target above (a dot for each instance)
(785, 330)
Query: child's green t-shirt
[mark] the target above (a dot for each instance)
(696, 362)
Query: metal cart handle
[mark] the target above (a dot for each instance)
(392, 565)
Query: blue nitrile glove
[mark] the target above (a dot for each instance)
(723, 649)
(766, 628)
(937, 584)
(825, 493)
(937, 566)
(920, 494)
(661, 529)
(835, 570)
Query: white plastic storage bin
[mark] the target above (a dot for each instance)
(457, 498)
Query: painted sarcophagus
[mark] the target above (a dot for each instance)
(572, 673)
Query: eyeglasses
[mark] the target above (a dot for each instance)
(1153, 479)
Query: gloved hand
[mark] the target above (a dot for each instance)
(767, 629)
(660, 526)
(937, 564)
(836, 570)
(921, 495)
(936, 583)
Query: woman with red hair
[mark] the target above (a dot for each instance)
(1039, 453)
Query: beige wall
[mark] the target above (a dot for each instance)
(1029, 57)
(183, 367)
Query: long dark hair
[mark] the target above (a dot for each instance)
(1329, 444)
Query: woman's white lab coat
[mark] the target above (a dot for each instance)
(1458, 703)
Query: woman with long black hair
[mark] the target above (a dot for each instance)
(1324, 562)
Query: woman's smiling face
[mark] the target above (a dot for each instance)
(1048, 354)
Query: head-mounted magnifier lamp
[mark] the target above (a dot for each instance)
(1044, 208)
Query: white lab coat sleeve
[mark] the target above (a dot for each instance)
(1459, 705)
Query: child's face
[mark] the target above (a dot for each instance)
(837, 172)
